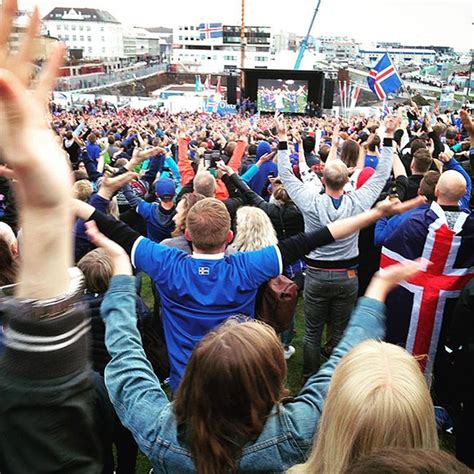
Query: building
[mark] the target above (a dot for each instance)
(43, 46)
(95, 32)
(400, 56)
(146, 43)
(202, 50)
(339, 48)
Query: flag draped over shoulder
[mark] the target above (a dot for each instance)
(383, 78)
(418, 308)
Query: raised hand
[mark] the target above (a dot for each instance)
(111, 184)
(280, 125)
(29, 147)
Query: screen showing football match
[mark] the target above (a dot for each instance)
(283, 95)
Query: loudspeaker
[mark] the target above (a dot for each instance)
(329, 85)
(232, 90)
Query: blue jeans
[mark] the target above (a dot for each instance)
(329, 296)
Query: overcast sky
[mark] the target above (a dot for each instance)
(421, 22)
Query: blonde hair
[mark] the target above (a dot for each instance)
(254, 230)
(378, 398)
(82, 190)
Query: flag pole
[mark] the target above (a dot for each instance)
(242, 47)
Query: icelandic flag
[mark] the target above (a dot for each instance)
(419, 309)
(384, 78)
(210, 31)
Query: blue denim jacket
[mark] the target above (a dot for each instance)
(144, 409)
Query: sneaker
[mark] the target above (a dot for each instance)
(289, 351)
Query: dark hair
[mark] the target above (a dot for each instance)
(252, 150)
(324, 152)
(451, 133)
(8, 265)
(416, 145)
(235, 375)
(309, 143)
(111, 139)
(350, 153)
(374, 143)
(92, 138)
(408, 461)
(428, 185)
(79, 175)
(69, 135)
(422, 160)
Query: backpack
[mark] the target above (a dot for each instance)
(276, 302)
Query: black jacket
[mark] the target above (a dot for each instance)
(287, 220)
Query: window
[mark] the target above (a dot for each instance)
(81, 28)
(89, 38)
(66, 38)
(89, 50)
(103, 38)
(88, 27)
(58, 27)
(180, 38)
(101, 28)
(73, 27)
(103, 50)
(81, 38)
(74, 37)
(66, 27)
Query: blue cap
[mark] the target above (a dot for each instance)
(263, 148)
(165, 187)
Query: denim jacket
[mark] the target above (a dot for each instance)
(144, 409)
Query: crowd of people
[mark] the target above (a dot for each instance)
(231, 218)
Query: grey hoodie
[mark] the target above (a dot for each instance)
(318, 209)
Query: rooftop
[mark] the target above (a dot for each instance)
(80, 14)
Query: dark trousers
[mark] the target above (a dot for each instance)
(329, 297)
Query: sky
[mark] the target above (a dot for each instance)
(413, 22)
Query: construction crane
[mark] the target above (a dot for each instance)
(304, 43)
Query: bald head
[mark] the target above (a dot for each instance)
(205, 184)
(450, 189)
(335, 175)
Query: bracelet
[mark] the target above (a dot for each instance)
(283, 145)
(52, 307)
(388, 141)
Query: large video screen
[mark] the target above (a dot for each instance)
(283, 95)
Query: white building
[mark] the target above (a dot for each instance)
(399, 56)
(198, 53)
(141, 43)
(337, 47)
(96, 32)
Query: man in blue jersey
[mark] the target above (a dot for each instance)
(158, 215)
(200, 291)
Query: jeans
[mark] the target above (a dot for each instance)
(329, 296)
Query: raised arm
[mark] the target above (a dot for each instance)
(45, 328)
(301, 195)
(366, 322)
(134, 389)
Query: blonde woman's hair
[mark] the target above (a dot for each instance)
(254, 230)
(378, 398)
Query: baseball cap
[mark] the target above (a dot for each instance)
(165, 187)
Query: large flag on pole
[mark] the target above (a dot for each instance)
(198, 84)
(419, 308)
(384, 78)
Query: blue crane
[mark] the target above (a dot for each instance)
(304, 43)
